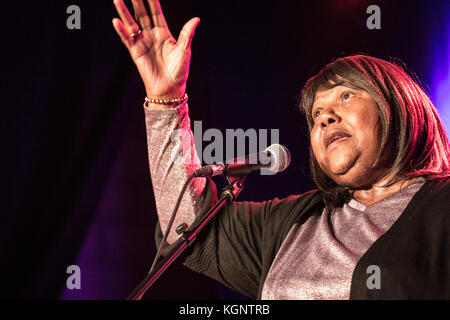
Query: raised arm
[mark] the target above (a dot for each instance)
(163, 64)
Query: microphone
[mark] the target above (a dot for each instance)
(275, 158)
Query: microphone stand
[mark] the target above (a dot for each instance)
(229, 194)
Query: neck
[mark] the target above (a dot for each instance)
(378, 191)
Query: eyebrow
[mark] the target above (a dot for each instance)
(344, 87)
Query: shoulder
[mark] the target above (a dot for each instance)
(440, 184)
(435, 191)
(429, 208)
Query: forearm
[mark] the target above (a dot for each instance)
(172, 159)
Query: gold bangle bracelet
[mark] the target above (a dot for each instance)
(165, 101)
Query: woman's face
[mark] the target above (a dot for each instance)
(346, 136)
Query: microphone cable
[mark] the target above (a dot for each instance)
(172, 218)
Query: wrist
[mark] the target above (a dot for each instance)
(170, 93)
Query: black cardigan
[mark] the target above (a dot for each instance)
(240, 244)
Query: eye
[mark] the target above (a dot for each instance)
(347, 95)
(316, 113)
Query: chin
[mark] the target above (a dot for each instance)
(341, 174)
(347, 171)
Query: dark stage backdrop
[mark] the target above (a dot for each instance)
(76, 188)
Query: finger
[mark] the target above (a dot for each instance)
(141, 14)
(122, 32)
(126, 17)
(157, 14)
(187, 33)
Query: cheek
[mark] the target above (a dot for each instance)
(315, 143)
(371, 133)
(366, 127)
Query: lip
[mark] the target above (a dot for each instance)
(334, 136)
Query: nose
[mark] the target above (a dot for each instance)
(327, 117)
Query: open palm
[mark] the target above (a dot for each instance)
(162, 61)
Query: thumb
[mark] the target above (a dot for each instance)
(187, 33)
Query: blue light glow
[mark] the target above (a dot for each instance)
(440, 83)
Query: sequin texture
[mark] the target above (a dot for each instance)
(317, 259)
(172, 159)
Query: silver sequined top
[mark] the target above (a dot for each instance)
(317, 258)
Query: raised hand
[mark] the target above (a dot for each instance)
(162, 61)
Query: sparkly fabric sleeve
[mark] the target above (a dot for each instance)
(173, 158)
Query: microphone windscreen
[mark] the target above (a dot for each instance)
(281, 157)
